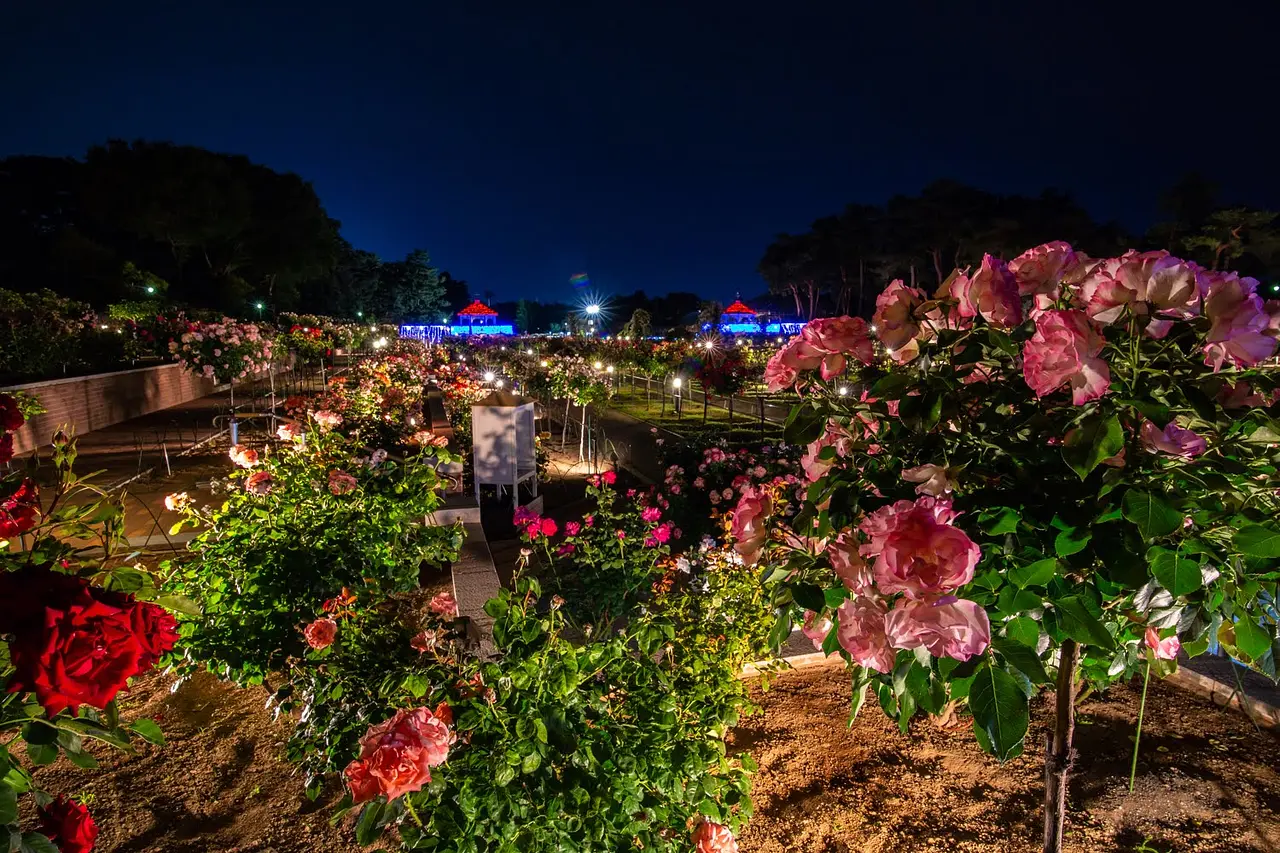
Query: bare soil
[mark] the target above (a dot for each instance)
(1207, 780)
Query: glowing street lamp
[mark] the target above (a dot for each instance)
(593, 309)
(597, 365)
(488, 376)
(151, 288)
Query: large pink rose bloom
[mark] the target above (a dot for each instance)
(711, 837)
(848, 564)
(861, 632)
(1144, 282)
(785, 366)
(947, 627)
(1039, 271)
(816, 628)
(992, 292)
(396, 756)
(895, 320)
(750, 523)
(1064, 350)
(835, 435)
(838, 339)
(1173, 440)
(917, 550)
(1238, 322)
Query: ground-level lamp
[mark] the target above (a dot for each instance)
(676, 384)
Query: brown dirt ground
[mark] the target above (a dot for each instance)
(1207, 780)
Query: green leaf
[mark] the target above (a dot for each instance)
(1024, 630)
(1079, 623)
(369, 827)
(531, 762)
(1251, 639)
(781, 629)
(504, 775)
(8, 804)
(1098, 437)
(1038, 573)
(809, 596)
(1072, 541)
(1152, 515)
(999, 520)
(1177, 574)
(804, 425)
(42, 753)
(999, 712)
(178, 604)
(1022, 658)
(34, 842)
(148, 731)
(1257, 540)
(1156, 412)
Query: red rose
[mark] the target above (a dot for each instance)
(18, 511)
(6, 447)
(68, 825)
(10, 415)
(74, 644)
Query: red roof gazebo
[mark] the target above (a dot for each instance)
(477, 309)
(739, 311)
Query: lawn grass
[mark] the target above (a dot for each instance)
(744, 429)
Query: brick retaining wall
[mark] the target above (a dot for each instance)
(93, 402)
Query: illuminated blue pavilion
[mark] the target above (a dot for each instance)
(476, 319)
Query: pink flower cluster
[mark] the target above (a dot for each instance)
(913, 550)
(825, 345)
(224, 351)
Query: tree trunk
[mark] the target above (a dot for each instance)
(861, 285)
(936, 254)
(1059, 755)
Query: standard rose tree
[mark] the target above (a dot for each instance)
(1051, 470)
(73, 640)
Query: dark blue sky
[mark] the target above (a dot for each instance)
(656, 145)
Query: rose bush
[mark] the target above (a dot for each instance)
(1045, 461)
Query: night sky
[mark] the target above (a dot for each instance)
(656, 145)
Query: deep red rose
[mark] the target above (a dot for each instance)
(75, 644)
(18, 511)
(6, 447)
(10, 415)
(68, 825)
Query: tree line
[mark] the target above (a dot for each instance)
(175, 224)
(844, 260)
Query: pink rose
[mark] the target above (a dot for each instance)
(895, 322)
(1238, 323)
(785, 366)
(326, 420)
(836, 339)
(259, 483)
(946, 627)
(848, 564)
(1039, 271)
(444, 605)
(1173, 440)
(836, 436)
(1064, 350)
(651, 514)
(321, 633)
(711, 837)
(1141, 282)
(933, 480)
(992, 292)
(861, 632)
(917, 550)
(750, 523)
(1166, 649)
(177, 502)
(245, 457)
(340, 482)
(572, 528)
(425, 641)
(396, 756)
(815, 628)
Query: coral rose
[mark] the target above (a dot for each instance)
(444, 605)
(321, 633)
(750, 519)
(1173, 440)
(711, 837)
(259, 483)
(396, 756)
(946, 627)
(245, 457)
(1064, 351)
(815, 628)
(815, 463)
(68, 825)
(861, 632)
(785, 366)
(917, 550)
